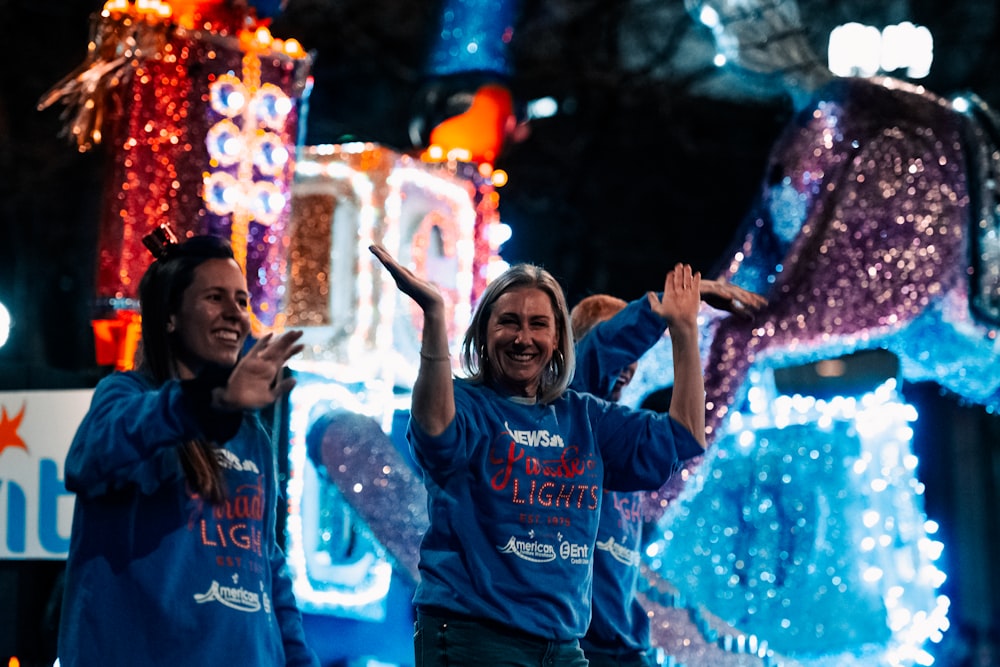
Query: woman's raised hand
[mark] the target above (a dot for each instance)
(423, 292)
(681, 296)
(256, 381)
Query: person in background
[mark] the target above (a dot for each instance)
(173, 556)
(611, 336)
(515, 464)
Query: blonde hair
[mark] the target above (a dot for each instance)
(563, 362)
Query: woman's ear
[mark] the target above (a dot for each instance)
(171, 327)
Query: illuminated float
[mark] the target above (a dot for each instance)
(347, 458)
(197, 107)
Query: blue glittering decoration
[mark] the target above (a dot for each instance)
(473, 37)
(804, 529)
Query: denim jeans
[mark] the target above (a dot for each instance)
(440, 641)
(602, 659)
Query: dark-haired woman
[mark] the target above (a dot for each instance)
(173, 555)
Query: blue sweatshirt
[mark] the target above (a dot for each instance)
(154, 575)
(514, 498)
(619, 622)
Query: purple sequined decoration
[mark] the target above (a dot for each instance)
(861, 242)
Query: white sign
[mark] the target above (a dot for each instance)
(36, 511)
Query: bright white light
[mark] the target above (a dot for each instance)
(495, 267)
(5, 323)
(543, 107)
(860, 50)
(708, 16)
(499, 234)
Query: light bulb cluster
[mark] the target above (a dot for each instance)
(246, 142)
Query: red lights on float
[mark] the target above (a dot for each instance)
(196, 104)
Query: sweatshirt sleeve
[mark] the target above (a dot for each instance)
(614, 344)
(641, 448)
(286, 610)
(128, 431)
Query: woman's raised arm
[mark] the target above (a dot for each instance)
(433, 404)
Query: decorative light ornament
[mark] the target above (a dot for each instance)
(265, 201)
(270, 106)
(270, 155)
(805, 525)
(222, 193)
(226, 143)
(228, 96)
(246, 140)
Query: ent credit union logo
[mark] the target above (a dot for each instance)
(540, 552)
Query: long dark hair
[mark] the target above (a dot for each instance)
(160, 293)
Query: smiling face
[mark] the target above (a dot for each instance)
(213, 320)
(520, 338)
(622, 381)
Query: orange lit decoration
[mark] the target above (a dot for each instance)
(197, 105)
(117, 339)
(477, 135)
(467, 110)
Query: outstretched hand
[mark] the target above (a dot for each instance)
(736, 300)
(423, 292)
(256, 381)
(681, 296)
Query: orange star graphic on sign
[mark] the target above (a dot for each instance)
(8, 430)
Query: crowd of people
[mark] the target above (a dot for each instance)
(531, 467)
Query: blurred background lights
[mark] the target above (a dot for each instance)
(271, 106)
(543, 107)
(5, 324)
(862, 50)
